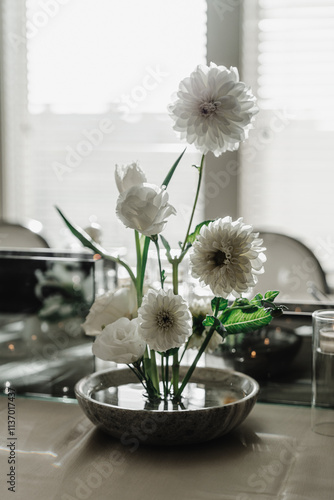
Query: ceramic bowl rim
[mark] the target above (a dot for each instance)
(80, 393)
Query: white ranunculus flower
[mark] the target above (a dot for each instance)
(127, 176)
(110, 307)
(214, 110)
(227, 256)
(164, 319)
(144, 207)
(119, 342)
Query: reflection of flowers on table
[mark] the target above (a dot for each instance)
(65, 292)
(62, 293)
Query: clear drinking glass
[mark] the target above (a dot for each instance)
(323, 373)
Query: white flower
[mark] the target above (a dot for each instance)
(200, 307)
(214, 111)
(144, 207)
(119, 342)
(127, 176)
(227, 256)
(110, 307)
(165, 321)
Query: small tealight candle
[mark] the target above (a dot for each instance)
(326, 340)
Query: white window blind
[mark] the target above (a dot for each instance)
(287, 174)
(85, 85)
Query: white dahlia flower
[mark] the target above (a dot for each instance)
(110, 307)
(127, 176)
(227, 256)
(144, 207)
(165, 321)
(214, 110)
(119, 342)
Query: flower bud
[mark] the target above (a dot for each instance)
(127, 176)
(144, 207)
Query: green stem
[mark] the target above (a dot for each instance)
(166, 377)
(144, 260)
(156, 242)
(154, 371)
(200, 171)
(163, 371)
(176, 364)
(139, 270)
(138, 375)
(146, 362)
(175, 267)
(189, 373)
(194, 363)
(184, 350)
(176, 370)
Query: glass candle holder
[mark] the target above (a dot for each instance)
(323, 373)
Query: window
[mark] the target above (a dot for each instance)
(287, 172)
(85, 85)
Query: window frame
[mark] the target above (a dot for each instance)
(223, 28)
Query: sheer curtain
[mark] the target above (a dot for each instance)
(287, 176)
(85, 86)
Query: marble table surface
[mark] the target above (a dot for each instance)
(59, 455)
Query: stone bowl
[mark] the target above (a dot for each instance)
(214, 402)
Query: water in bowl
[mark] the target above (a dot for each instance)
(195, 396)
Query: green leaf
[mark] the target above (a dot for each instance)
(216, 323)
(222, 304)
(209, 321)
(257, 300)
(192, 237)
(271, 295)
(172, 170)
(88, 242)
(166, 245)
(277, 311)
(240, 321)
(82, 236)
(241, 302)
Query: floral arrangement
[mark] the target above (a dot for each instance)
(150, 331)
